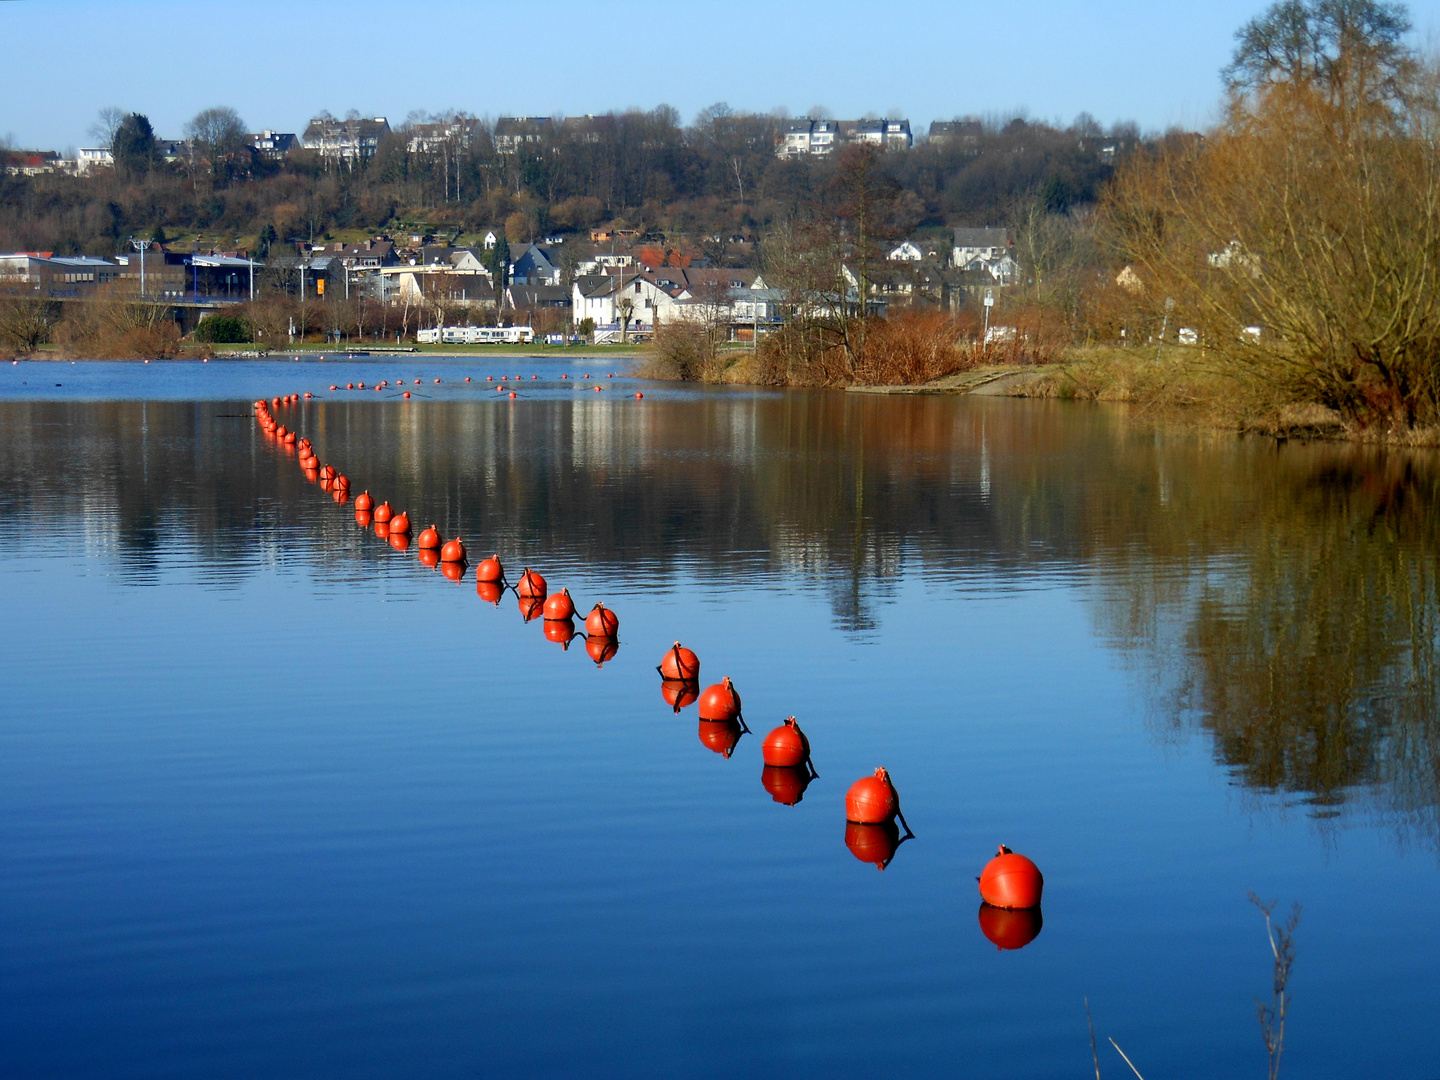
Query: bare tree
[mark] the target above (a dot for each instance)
(107, 122)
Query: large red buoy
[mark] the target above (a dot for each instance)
(720, 702)
(489, 591)
(429, 538)
(1011, 881)
(364, 501)
(560, 631)
(530, 585)
(400, 523)
(602, 622)
(601, 649)
(490, 570)
(342, 481)
(785, 785)
(560, 606)
(721, 736)
(786, 746)
(872, 799)
(680, 663)
(453, 551)
(428, 557)
(327, 472)
(679, 692)
(873, 843)
(289, 437)
(1010, 928)
(383, 513)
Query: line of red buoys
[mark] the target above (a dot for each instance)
(1010, 885)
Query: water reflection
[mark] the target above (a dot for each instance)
(1010, 928)
(1280, 600)
(875, 844)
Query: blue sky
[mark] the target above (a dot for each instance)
(279, 63)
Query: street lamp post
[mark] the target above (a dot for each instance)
(141, 245)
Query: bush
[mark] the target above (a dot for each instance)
(224, 330)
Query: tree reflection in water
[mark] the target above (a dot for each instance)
(1282, 599)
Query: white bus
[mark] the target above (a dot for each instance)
(476, 335)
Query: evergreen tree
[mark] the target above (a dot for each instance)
(134, 146)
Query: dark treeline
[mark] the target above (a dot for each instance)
(642, 170)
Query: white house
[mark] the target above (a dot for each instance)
(906, 252)
(984, 244)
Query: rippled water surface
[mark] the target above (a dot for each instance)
(277, 800)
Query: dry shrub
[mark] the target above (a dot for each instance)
(802, 354)
(914, 347)
(114, 328)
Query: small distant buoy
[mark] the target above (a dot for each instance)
(275, 403)
(437, 380)
(721, 736)
(564, 376)
(679, 693)
(534, 376)
(377, 389)
(383, 513)
(333, 387)
(453, 551)
(720, 702)
(1011, 881)
(364, 501)
(786, 746)
(786, 785)
(490, 570)
(467, 378)
(1010, 928)
(601, 649)
(429, 538)
(504, 378)
(307, 393)
(489, 378)
(561, 631)
(602, 622)
(147, 361)
(400, 522)
(560, 606)
(872, 800)
(407, 394)
(417, 382)
(611, 375)
(638, 395)
(360, 385)
(531, 585)
(349, 386)
(490, 591)
(512, 393)
(680, 663)
(597, 389)
(587, 375)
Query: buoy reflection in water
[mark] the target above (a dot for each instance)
(1010, 928)
(531, 607)
(876, 843)
(560, 631)
(679, 693)
(489, 591)
(399, 541)
(721, 736)
(453, 570)
(430, 557)
(785, 783)
(601, 649)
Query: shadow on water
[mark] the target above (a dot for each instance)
(1280, 599)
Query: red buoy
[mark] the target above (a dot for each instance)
(400, 523)
(786, 785)
(680, 663)
(342, 481)
(327, 472)
(489, 591)
(721, 736)
(429, 557)
(349, 386)
(560, 606)
(383, 513)
(429, 539)
(1011, 881)
(1010, 928)
(679, 692)
(872, 799)
(407, 393)
(720, 702)
(560, 631)
(490, 570)
(602, 622)
(453, 551)
(786, 746)
(873, 843)
(364, 501)
(289, 437)
(601, 649)
(531, 585)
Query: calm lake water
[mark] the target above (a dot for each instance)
(277, 800)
